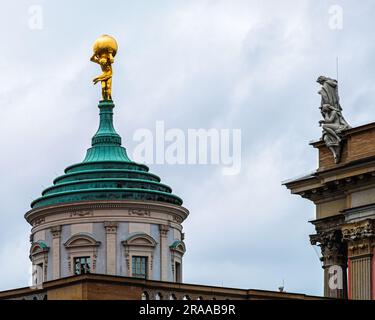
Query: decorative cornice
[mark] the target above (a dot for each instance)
(327, 182)
(39, 221)
(331, 223)
(84, 209)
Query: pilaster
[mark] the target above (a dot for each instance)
(111, 234)
(56, 256)
(163, 229)
(360, 237)
(334, 257)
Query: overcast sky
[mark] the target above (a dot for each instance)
(248, 65)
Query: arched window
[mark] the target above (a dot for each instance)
(39, 258)
(139, 251)
(158, 296)
(82, 252)
(144, 296)
(172, 297)
(186, 297)
(177, 251)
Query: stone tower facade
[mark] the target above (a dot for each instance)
(107, 215)
(344, 197)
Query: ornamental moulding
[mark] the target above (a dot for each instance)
(81, 210)
(359, 230)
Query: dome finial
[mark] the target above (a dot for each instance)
(105, 49)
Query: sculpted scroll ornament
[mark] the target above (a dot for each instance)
(177, 219)
(333, 123)
(82, 213)
(140, 212)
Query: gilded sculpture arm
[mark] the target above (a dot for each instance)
(94, 58)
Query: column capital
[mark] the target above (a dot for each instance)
(332, 246)
(334, 255)
(56, 231)
(359, 230)
(360, 237)
(110, 226)
(163, 228)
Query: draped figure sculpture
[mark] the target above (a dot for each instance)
(333, 123)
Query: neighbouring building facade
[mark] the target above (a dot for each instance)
(343, 191)
(107, 215)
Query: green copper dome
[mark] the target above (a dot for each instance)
(106, 173)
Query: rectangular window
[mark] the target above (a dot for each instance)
(39, 271)
(178, 272)
(139, 267)
(82, 265)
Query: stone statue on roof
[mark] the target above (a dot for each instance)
(333, 122)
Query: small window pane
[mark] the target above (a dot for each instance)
(139, 267)
(82, 265)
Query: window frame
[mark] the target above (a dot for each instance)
(141, 258)
(89, 263)
(139, 244)
(81, 245)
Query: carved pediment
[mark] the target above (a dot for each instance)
(81, 240)
(140, 239)
(38, 247)
(178, 246)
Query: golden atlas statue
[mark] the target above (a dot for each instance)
(105, 49)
